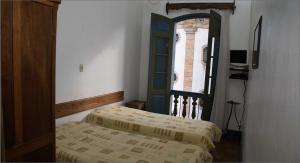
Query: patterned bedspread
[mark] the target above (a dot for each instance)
(89, 143)
(196, 132)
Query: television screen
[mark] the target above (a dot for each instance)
(238, 56)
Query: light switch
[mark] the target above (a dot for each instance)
(80, 67)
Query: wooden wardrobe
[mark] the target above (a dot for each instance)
(28, 40)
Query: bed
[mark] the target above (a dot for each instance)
(195, 132)
(90, 143)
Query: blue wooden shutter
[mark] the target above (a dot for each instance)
(212, 63)
(160, 63)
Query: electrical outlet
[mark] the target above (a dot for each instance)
(80, 67)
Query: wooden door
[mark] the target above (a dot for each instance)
(212, 63)
(28, 81)
(161, 46)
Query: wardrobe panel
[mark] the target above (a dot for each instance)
(28, 79)
(33, 49)
(6, 73)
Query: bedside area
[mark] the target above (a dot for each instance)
(136, 104)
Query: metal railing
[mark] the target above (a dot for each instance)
(186, 104)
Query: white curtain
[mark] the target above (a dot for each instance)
(219, 105)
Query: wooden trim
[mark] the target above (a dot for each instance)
(27, 147)
(53, 66)
(56, 1)
(201, 6)
(7, 73)
(17, 74)
(72, 107)
(51, 3)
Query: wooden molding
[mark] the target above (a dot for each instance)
(51, 3)
(201, 6)
(72, 107)
(56, 1)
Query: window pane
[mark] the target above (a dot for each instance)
(158, 103)
(161, 63)
(159, 81)
(161, 26)
(162, 45)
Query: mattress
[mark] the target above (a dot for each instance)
(88, 143)
(195, 132)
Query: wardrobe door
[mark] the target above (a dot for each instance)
(7, 74)
(33, 69)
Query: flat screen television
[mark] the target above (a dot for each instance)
(238, 58)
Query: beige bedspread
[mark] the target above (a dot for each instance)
(196, 132)
(89, 143)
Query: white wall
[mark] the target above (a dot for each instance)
(273, 117)
(201, 39)
(179, 60)
(104, 36)
(201, 36)
(239, 39)
(239, 28)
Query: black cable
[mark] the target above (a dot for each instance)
(236, 119)
(227, 123)
(244, 103)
